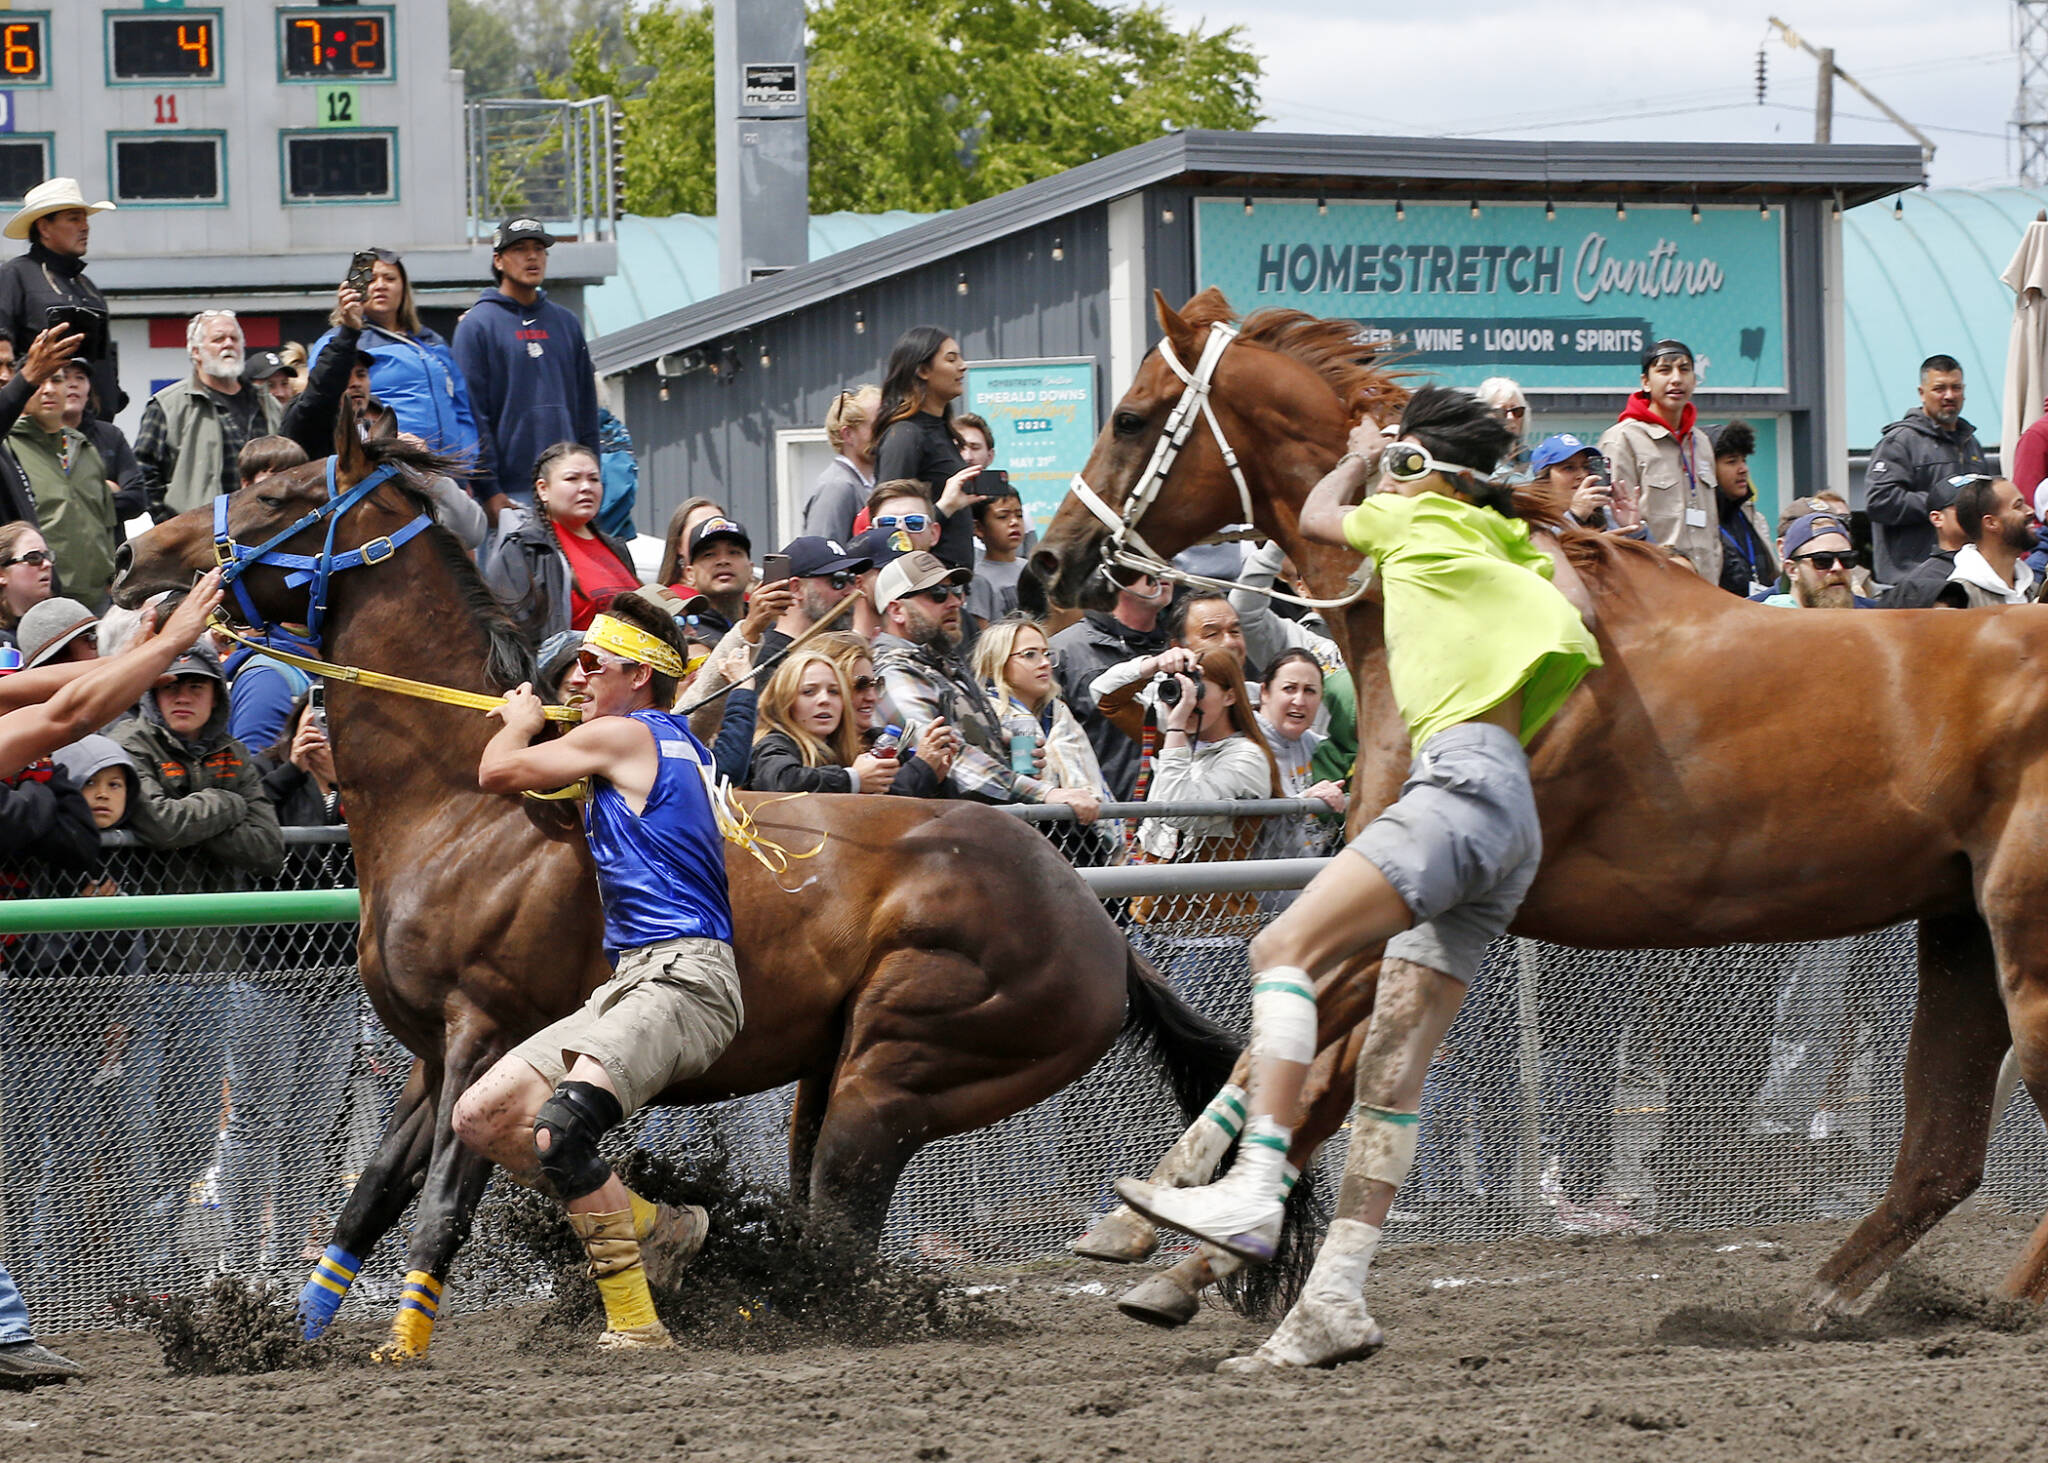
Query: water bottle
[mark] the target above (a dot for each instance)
(1023, 745)
(887, 743)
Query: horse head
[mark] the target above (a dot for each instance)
(1284, 392)
(170, 555)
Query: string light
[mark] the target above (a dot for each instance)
(1836, 212)
(960, 285)
(860, 322)
(1400, 210)
(1620, 208)
(1763, 209)
(1549, 209)
(1059, 248)
(1899, 207)
(1166, 215)
(1247, 204)
(1475, 208)
(1323, 204)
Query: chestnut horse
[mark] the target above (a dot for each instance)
(934, 968)
(1681, 802)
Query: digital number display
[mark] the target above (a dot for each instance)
(167, 169)
(172, 48)
(337, 166)
(22, 57)
(335, 41)
(23, 164)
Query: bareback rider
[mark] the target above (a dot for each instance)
(1482, 649)
(673, 1004)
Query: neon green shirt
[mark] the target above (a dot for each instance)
(1471, 614)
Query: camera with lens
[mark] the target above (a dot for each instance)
(1166, 688)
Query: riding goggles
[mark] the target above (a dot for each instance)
(1407, 462)
(908, 522)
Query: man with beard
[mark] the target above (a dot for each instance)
(1818, 561)
(1991, 568)
(193, 430)
(918, 656)
(1927, 445)
(1747, 563)
(821, 574)
(1919, 589)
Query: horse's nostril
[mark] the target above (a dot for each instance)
(124, 557)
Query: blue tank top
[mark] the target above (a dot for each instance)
(660, 872)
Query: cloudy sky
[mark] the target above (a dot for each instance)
(1604, 70)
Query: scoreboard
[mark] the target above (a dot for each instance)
(237, 126)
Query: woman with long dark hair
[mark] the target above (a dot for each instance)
(914, 434)
(412, 370)
(554, 569)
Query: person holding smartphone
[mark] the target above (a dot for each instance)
(412, 370)
(56, 221)
(915, 437)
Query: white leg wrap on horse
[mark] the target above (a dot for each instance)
(1383, 1143)
(1194, 1156)
(1330, 1323)
(1284, 1015)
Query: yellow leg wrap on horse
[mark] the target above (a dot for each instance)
(614, 1251)
(419, 1304)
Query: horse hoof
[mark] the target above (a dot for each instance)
(1121, 1237)
(1160, 1302)
(398, 1353)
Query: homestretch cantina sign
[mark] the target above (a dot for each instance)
(1562, 297)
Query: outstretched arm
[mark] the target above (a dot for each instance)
(1322, 516)
(101, 690)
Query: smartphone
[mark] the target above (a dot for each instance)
(82, 320)
(774, 568)
(316, 703)
(361, 265)
(990, 482)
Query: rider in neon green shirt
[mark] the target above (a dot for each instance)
(1483, 646)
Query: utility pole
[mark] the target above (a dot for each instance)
(1824, 102)
(2030, 113)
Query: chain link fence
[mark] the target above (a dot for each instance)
(180, 1102)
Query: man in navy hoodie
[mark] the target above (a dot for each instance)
(530, 380)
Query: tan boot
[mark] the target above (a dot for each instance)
(670, 1236)
(621, 1278)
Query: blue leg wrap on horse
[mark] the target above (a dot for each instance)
(322, 1296)
(573, 1120)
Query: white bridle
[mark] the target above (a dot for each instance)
(1126, 547)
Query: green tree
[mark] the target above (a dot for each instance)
(481, 42)
(926, 104)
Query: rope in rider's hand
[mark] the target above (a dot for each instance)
(838, 612)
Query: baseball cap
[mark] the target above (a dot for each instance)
(913, 574)
(1805, 530)
(1560, 447)
(517, 229)
(198, 661)
(262, 365)
(881, 546)
(812, 556)
(1657, 350)
(712, 528)
(1944, 491)
(50, 625)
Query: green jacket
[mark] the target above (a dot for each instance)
(182, 445)
(203, 798)
(74, 506)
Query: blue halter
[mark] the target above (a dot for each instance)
(308, 569)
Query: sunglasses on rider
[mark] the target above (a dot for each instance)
(908, 522)
(1408, 462)
(1827, 559)
(34, 557)
(592, 664)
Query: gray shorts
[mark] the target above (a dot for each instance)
(1461, 846)
(666, 1014)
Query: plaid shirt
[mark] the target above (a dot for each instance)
(925, 685)
(240, 418)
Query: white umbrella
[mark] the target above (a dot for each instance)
(2026, 352)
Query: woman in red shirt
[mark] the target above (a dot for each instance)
(553, 568)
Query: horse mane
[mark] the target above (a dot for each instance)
(1331, 348)
(508, 657)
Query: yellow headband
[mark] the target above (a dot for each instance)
(606, 633)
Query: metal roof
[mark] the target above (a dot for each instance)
(1925, 282)
(1419, 166)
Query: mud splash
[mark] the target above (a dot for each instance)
(1917, 1302)
(233, 1328)
(768, 1278)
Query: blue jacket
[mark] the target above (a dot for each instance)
(533, 385)
(261, 692)
(418, 379)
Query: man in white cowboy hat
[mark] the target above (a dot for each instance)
(57, 221)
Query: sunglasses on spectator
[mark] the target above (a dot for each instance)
(1037, 654)
(864, 684)
(35, 557)
(1827, 559)
(908, 522)
(840, 578)
(939, 594)
(1514, 411)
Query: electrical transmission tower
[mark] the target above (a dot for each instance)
(2030, 114)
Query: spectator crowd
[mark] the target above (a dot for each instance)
(881, 650)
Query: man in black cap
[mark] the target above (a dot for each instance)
(822, 572)
(720, 570)
(269, 371)
(1919, 588)
(530, 380)
(1663, 464)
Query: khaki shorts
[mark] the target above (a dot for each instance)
(666, 1015)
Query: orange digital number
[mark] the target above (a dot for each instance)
(199, 43)
(312, 29)
(369, 31)
(18, 53)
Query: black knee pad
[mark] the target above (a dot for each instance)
(574, 1119)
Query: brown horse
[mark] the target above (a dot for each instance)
(1681, 804)
(934, 968)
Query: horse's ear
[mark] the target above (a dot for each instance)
(1179, 334)
(354, 460)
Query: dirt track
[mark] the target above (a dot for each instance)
(1535, 1348)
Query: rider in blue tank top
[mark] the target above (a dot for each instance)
(661, 871)
(672, 1005)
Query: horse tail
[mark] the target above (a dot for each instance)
(1192, 1053)
(1267, 1292)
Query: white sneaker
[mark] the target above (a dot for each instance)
(1318, 1333)
(1226, 1215)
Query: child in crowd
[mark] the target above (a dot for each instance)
(999, 523)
